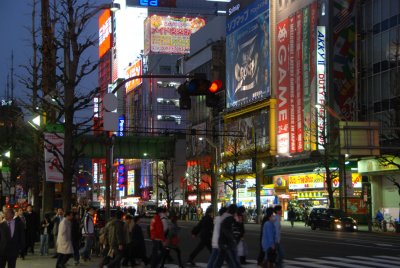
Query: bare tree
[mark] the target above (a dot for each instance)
(166, 181)
(233, 153)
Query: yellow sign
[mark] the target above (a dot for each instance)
(306, 181)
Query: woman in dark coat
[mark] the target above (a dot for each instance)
(138, 244)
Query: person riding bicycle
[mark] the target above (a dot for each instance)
(379, 217)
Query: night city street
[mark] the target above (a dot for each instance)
(303, 248)
(138, 127)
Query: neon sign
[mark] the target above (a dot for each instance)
(151, 3)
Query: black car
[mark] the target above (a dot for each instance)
(332, 219)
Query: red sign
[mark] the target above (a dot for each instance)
(105, 31)
(292, 87)
(283, 86)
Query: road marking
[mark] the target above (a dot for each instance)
(347, 261)
(384, 245)
(251, 263)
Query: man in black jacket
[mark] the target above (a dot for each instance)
(204, 230)
(226, 242)
(32, 228)
(12, 239)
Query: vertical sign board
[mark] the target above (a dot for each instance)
(344, 57)
(299, 82)
(306, 79)
(134, 70)
(53, 154)
(105, 32)
(121, 166)
(292, 88)
(131, 182)
(283, 86)
(321, 85)
(313, 74)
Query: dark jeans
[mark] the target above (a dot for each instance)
(156, 253)
(89, 241)
(128, 255)
(116, 261)
(230, 255)
(166, 254)
(212, 260)
(10, 260)
(200, 246)
(62, 259)
(76, 245)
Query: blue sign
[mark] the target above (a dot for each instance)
(147, 3)
(121, 176)
(121, 125)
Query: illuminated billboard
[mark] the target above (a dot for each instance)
(134, 70)
(128, 33)
(247, 53)
(105, 31)
(170, 35)
(296, 57)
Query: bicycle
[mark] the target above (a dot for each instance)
(376, 225)
(390, 225)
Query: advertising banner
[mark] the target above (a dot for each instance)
(313, 73)
(321, 85)
(53, 154)
(247, 55)
(169, 34)
(306, 181)
(131, 182)
(283, 86)
(299, 82)
(132, 71)
(344, 54)
(248, 63)
(105, 31)
(292, 87)
(306, 79)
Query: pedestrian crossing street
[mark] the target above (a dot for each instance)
(326, 262)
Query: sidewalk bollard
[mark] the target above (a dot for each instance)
(384, 226)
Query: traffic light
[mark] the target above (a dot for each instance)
(199, 87)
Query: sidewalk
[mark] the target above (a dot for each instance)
(36, 260)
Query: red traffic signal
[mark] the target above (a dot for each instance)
(215, 86)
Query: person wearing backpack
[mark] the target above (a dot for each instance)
(88, 234)
(204, 231)
(172, 241)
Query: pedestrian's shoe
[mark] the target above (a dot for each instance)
(191, 262)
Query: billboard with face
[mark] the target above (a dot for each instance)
(247, 55)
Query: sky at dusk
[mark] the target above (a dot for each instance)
(15, 19)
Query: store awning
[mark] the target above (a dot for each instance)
(290, 169)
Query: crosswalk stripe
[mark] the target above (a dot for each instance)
(350, 262)
(291, 262)
(390, 257)
(376, 259)
(332, 263)
(251, 263)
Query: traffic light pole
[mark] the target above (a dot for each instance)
(123, 82)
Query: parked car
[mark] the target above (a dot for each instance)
(332, 219)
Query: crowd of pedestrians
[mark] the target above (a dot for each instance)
(121, 241)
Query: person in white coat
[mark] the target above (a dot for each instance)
(64, 241)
